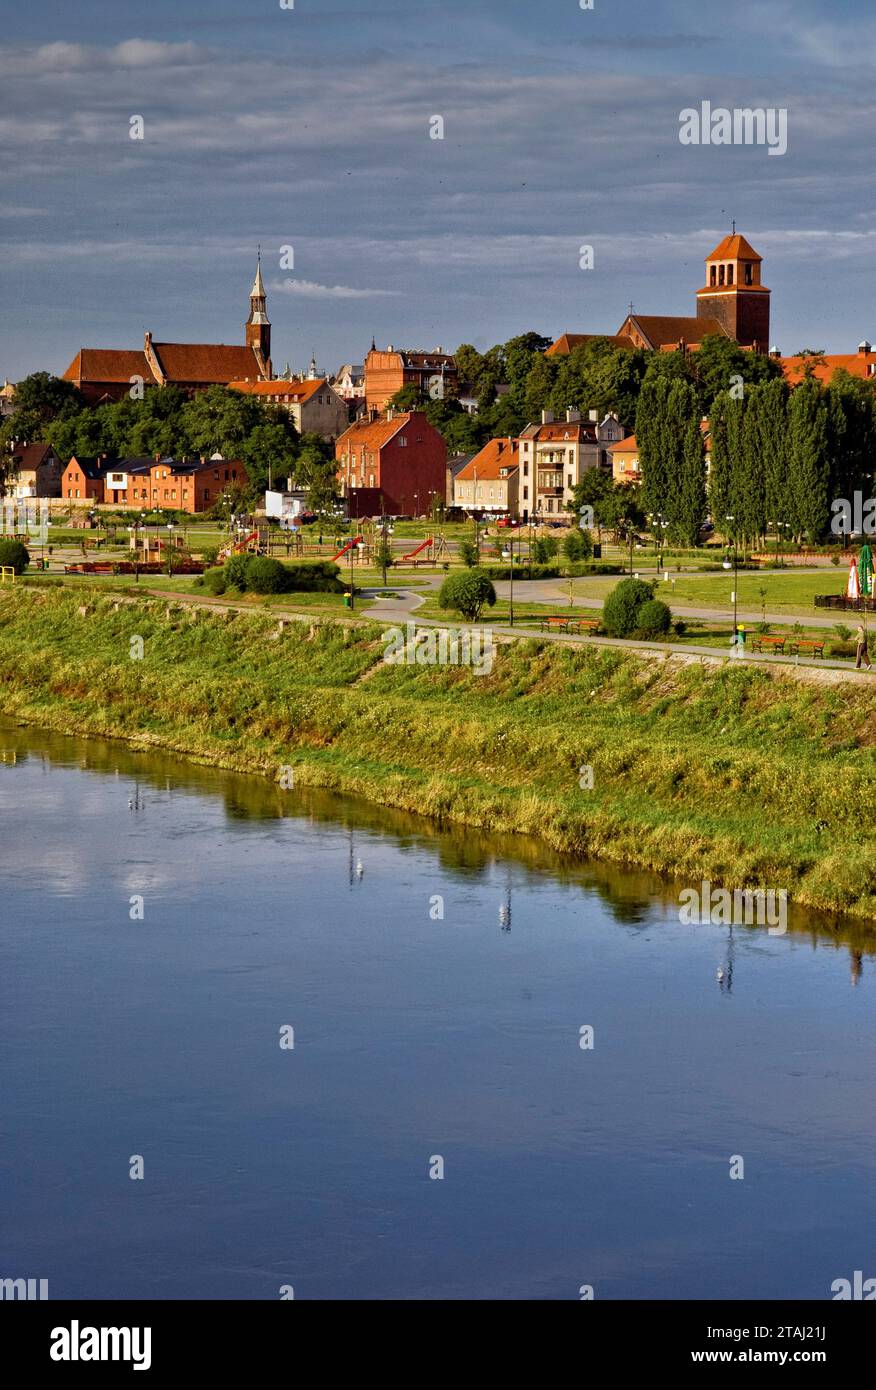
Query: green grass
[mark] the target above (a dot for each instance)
(748, 776)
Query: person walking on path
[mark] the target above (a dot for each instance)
(861, 648)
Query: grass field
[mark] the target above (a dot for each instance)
(743, 775)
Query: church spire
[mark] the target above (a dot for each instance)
(258, 325)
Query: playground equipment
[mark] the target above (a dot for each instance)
(435, 545)
(255, 542)
(357, 540)
(7, 574)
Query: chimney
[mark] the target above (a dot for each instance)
(158, 458)
(593, 416)
(389, 412)
(864, 346)
(547, 417)
(572, 416)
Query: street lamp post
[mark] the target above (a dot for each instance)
(511, 596)
(169, 549)
(735, 575)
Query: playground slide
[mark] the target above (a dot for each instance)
(238, 547)
(427, 542)
(345, 548)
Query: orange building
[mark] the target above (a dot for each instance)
(432, 373)
(396, 464)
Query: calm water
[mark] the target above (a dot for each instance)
(414, 1037)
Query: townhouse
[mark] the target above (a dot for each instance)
(395, 463)
(489, 482)
(34, 471)
(314, 405)
(555, 455)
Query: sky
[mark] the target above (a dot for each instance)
(309, 128)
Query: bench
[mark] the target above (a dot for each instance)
(764, 643)
(807, 645)
(561, 622)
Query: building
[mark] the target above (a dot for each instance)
(625, 460)
(861, 364)
(7, 400)
(490, 481)
(350, 382)
(314, 405)
(733, 303)
(395, 463)
(83, 478)
(432, 373)
(34, 471)
(555, 455)
(109, 374)
(185, 485)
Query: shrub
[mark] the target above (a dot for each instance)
(314, 576)
(266, 576)
(620, 612)
(214, 580)
(653, 619)
(468, 593)
(680, 627)
(468, 553)
(578, 545)
(235, 571)
(544, 548)
(15, 554)
(522, 570)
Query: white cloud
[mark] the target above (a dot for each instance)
(311, 290)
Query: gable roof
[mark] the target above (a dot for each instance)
(218, 363)
(625, 446)
(280, 389)
(26, 457)
(495, 455)
(373, 434)
(93, 468)
(567, 343)
(733, 248)
(660, 330)
(108, 365)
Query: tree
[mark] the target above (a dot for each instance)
(269, 452)
(469, 365)
(620, 612)
(220, 420)
(808, 461)
(688, 510)
(316, 472)
(468, 592)
(15, 555)
(578, 545)
(408, 397)
(39, 399)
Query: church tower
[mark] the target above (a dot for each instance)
(258, 325)
(734, 295)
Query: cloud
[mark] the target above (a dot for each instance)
(311, 290)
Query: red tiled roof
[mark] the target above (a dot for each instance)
(733, 248)
(625, 446)
(373, 434)
(218, 363)
(297, 391)
(855, 363)
(661, 329)
(567, 343)
(108, 364)
(496, 454)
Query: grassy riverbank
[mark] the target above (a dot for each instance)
(744, 776)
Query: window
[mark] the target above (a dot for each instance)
(721, 275)
(729, 275)
(713, 277)
(371, 480)
(402, 443)
(748, 277)
(526, 494)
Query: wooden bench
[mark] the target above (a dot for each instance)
(561, 622)
(810, 645)
(765, 643)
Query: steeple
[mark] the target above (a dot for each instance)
(258, 325)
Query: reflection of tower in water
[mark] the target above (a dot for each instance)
(856, 961)
(724, 973)
(355, 867)
(505, 905)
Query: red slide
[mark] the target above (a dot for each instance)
(427, 542)
(345, 548)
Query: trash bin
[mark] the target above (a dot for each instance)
(597, 552)
(348, 599)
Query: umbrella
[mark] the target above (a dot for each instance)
(865, 569)
(853, 588)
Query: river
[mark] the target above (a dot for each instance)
(165, 928)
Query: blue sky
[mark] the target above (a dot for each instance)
(310, 127)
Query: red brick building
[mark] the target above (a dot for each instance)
(109, 374)
(185, 485)
(396, 463)
(432, 373)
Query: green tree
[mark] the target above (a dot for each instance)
(468, 592)
(808, 461)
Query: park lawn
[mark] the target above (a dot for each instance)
(787, 591)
